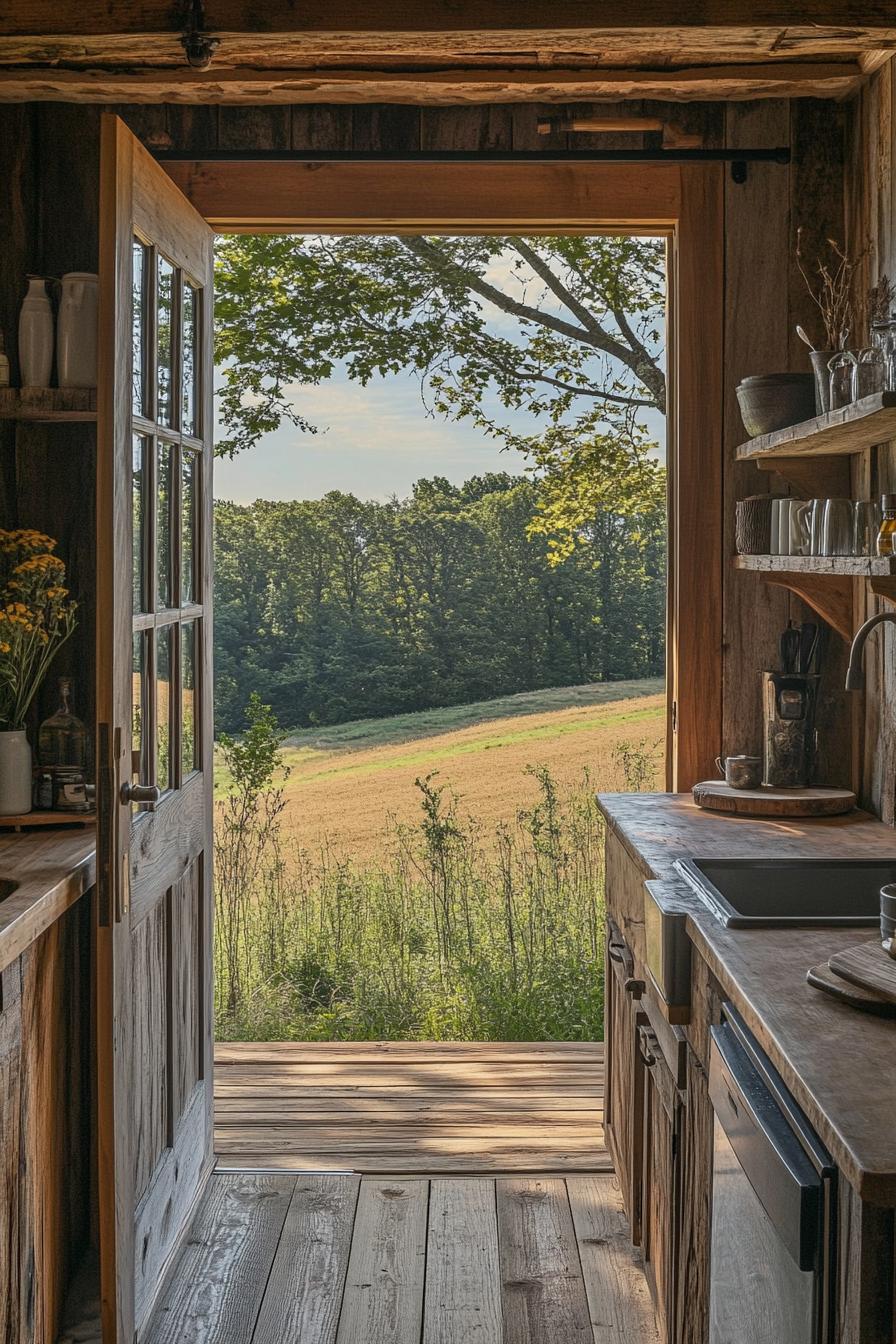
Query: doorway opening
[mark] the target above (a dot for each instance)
(441, 534)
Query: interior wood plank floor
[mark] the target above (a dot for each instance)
(280, 1258)
(410, 1107)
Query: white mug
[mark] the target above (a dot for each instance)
(793, 527)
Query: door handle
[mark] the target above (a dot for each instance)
(140, 793)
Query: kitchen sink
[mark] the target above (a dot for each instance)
(7, 888)
(772, 893)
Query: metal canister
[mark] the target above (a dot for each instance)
(788, 739)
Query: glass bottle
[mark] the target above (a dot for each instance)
(886, 537)
(62, 738)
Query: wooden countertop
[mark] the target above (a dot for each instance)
(53, 869)
(839, 1064)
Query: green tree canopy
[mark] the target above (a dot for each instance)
(568, 328)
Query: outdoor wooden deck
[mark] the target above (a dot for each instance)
(410, 1107)
(344, 1259)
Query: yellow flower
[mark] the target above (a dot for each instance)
(5, 648)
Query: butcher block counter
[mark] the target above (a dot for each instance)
(51, 869)
(839, 1063)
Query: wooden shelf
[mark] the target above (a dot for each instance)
(850, 566)
(850, 430)
(48, 405)
(826, 583)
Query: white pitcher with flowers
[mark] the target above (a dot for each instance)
(36, 618)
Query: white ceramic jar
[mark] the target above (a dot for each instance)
(15, 773)
(36, 335)
(76, 330)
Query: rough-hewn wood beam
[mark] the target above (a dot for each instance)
(432, 87)
(399, 19)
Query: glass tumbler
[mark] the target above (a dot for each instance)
(840, 367)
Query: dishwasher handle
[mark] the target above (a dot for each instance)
(785, 1181)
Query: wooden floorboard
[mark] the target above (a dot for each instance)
(215, 1295)
(363, 1260)
(411, 1107)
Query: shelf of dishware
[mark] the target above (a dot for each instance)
(847, 566)
(851, 429)
(48, 405)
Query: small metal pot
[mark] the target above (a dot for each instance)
(888, 919)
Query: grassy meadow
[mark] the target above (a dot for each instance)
(434, 875)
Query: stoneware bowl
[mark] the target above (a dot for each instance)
(775, 400)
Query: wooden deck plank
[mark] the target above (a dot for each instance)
(254, 1052)
(303, 1297)
(429, 1107)
(216, 1286)
(463, 1272)
(618, 1296)
(523, 1161)
(542, 1288)
(383, 1301)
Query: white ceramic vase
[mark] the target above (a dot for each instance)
(36, 335)
(76, 330)
(15, 773)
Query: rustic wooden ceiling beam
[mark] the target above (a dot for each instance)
(434, 87)
(399, 19)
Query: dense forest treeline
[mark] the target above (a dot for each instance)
(342, 608)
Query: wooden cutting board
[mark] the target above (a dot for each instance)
(718, 796)
(867, 966)
(866, 1000)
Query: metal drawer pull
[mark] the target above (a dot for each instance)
(141, 793)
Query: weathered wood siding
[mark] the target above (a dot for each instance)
(871, 207)
(45, 1151)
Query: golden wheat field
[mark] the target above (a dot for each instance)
(345, 782)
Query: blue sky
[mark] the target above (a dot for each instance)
(374, 441)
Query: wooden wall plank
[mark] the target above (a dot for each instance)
(215, 1292)
(304, 1292)
(542, 1290)
(10, 1142)
(463, 1275)
(384, 1285)
(757, 237)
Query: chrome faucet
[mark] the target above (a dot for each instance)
(855, 678)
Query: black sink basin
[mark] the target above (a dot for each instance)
(766, 893)
(7, 888)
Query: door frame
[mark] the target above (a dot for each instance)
(684, 203)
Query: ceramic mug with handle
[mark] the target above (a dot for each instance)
(740, 772)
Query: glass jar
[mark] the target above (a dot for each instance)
(869, 373)
(883, 338)
(886, 537)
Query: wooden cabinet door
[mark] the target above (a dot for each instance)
(624, 1078)
(154, 724)
(663, 1115)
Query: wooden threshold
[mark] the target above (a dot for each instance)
(286, 1259)
(433, 1108)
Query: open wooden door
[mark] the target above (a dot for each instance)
(154, 736)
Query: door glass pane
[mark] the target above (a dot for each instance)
(188, 688)
(138, 338)
(164, 556)
(138, 702)
(189, 486)
(138, 500)
(189, 423)
(163, 707)
(166, 341)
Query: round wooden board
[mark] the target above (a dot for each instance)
(866, 1000)
(718, 796)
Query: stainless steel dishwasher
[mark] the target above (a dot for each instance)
(773, 1203)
